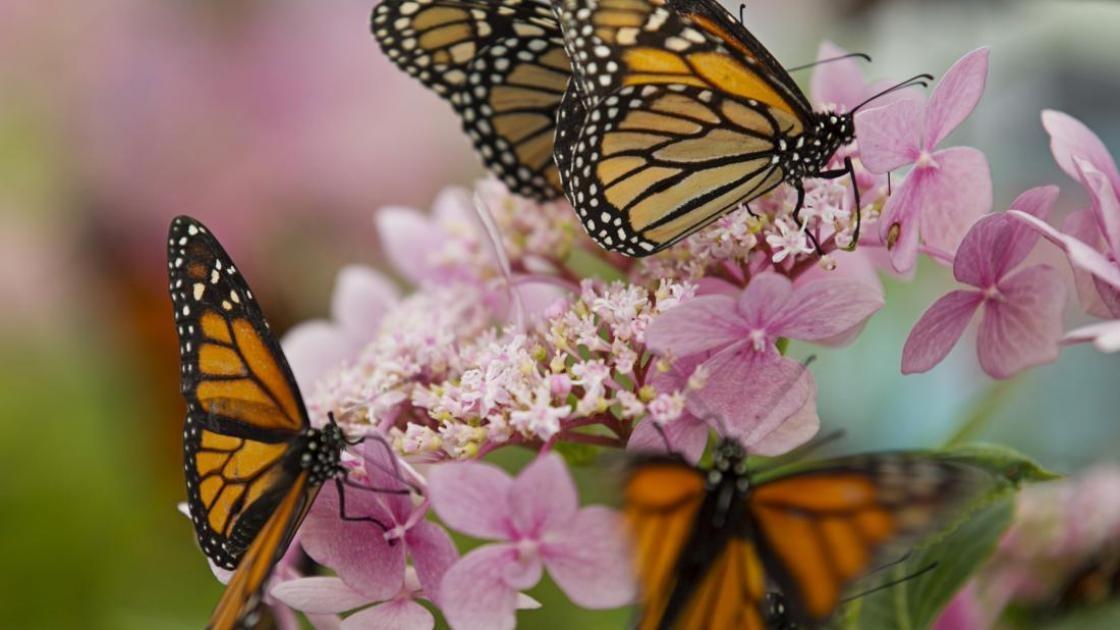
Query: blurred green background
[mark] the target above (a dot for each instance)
(279, 123)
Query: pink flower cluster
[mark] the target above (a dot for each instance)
(518, 331)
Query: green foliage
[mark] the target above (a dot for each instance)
(912, 594)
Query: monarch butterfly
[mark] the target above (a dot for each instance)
(678, 114)
(717, 548)
(501, 64)
(253, 462)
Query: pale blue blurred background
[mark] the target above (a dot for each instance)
(279, 123)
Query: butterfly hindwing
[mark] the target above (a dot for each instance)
(653, 164)
(241, 598)
(500, 64)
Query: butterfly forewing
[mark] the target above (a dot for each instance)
(502, 66)
(243, 407)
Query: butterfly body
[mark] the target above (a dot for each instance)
(720, 548)
(253, 462)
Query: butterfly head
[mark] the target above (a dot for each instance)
(730, 457)
(808, 154)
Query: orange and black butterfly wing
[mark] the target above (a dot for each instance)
(244, 410)
(681, 116)
(502, 66)
(818, 531)
(240, 603)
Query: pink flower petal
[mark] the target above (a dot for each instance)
(699, 325)
(1070, 138)
(406, 238)
(433, 552)
(1080, 254)
(890, 136)
(472, 498)
(1106, 205)
(793, 431)
(361, 297)
(383, 472)
(319, 595)
(1023, 328)
(954, 196)
(687, 436)
(313, 348)
(357, 551)
(589, 559)
(1037, 202)
(398, 614)
(475, 593)
(837, 84)
(899, 225)
(761, 302)
(1082, 225)
(749, 395)
(543, 496)
(1104, 335)
(998, 243)
(938, 331)
(826, 308)
(956, 95)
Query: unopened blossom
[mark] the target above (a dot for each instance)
(539, 525)
(751, 388)
(370, 558)
(947, 190)
(361, 297)
(1091, 240)
(1022, 308)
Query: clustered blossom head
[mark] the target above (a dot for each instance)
(519, 331)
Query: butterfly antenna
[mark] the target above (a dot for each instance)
(822, 62)
(921, 79)
(917, 574)
(499, 249)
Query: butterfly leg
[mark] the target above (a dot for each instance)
(797, 219)
(849, 171)
(342, 508)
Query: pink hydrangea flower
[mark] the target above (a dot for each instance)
(947, 189)
(369, 561)
(763, 398)
(540, 525)
(1091, 240)
(360, 299)
(1022, 320)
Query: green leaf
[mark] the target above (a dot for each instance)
(1004, 462)
(1104, 617)
(915, 603)
(575, 454)
(955, 551)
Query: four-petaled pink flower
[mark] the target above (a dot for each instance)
(1022, 320)
(369, 561)
(538, 519)
(765, 400)
(1091, 240)
(948, 189)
